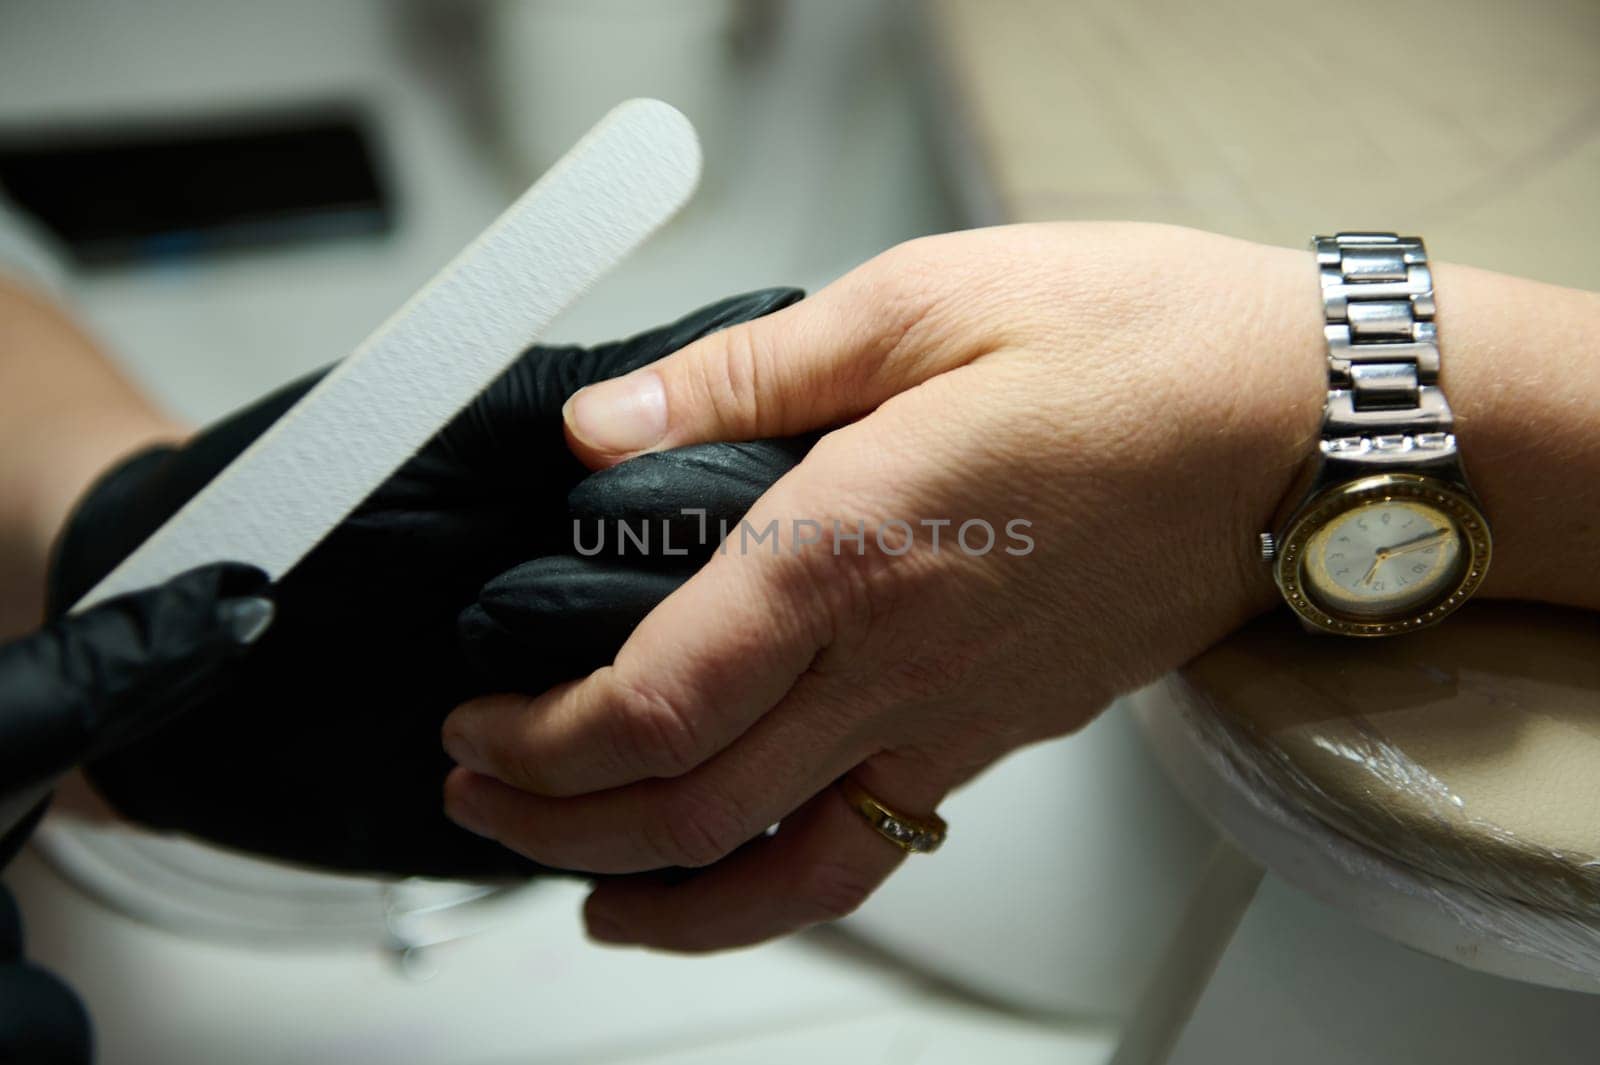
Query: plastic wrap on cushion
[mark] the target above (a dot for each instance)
(1468, 756)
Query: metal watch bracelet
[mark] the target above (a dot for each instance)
(1387, 442)
(1383, 350)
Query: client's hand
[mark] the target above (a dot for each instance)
(1061, 442)
(323, 748)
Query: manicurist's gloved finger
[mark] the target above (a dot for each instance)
(682, 502)
(638, 530)
(89, 683)
(558, 617)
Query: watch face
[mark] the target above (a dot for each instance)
(1383, 558)
(1383, 554)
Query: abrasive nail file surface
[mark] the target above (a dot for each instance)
(446, 344)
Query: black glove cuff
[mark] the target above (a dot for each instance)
(135, 497)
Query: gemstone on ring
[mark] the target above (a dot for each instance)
(913, 835)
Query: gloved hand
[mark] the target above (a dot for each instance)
(88, 684)
(678, 504)
(324, 748)
(81, 687)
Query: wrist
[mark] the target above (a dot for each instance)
(65, 416)
(1525, 396)
(1279, 381)
(42, 488)
(1516, 364)
(73, 464)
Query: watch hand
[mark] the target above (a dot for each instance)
(1418, 544)
(1383, 554)
(1377, 560)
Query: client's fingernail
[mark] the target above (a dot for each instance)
(459, 748)
(246, 619)
(620, 416)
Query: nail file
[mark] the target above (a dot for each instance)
(446, 344)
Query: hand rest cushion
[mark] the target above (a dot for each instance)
(1470, 751)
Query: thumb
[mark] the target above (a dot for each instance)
(91, 682)
(813, 365)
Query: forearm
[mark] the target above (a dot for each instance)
(1519, 365)
(65, 415)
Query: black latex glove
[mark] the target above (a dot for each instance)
(677, 501)
(84, 686)
(91, 683)
(325, 748)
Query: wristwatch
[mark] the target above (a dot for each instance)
(1381, 534)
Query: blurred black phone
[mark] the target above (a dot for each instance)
(131, 192)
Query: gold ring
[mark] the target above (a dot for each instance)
(915, 835)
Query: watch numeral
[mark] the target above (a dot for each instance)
(1418, 568)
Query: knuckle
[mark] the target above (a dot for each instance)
(865, 587)
(730, 385)
(502, 751)
(901, 309)
(932, 677)
(855, 590)
(654, 734)
(857, 563)
(917, 274)
(831, 890)
(914, 265)
(526, 769)
(694, 829)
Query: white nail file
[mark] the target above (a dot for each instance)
(446, 344)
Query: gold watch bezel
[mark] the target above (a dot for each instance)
(1289, 566)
